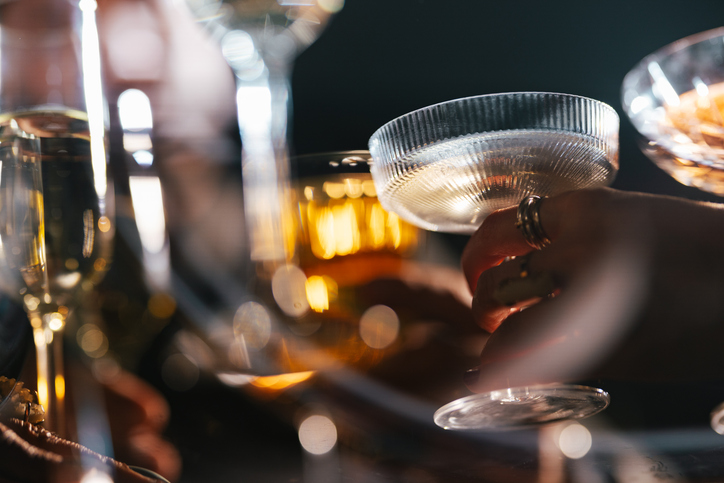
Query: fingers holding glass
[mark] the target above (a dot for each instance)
(510, 287)
(512, 232)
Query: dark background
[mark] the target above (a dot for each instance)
(380, 59)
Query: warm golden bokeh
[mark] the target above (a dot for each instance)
(344, 217)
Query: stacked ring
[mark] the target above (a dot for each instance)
(528, 221)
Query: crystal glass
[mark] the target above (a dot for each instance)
(317, 311)
(447, 166)
(675, 99)
(56, 199)
(260, 40)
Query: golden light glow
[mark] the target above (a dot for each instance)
(161, 305)
(31, 302)
(395, 230)
(36, 321)
(309, 193)
(333, 190)
(55, 321)
(60, 386)
(71, 264)
(344, 217)
(376, 223)
(104, 224)
(100, 265)
(353, 187)
(42, 390)
(281, 381)
(319, 292)
(368, 188)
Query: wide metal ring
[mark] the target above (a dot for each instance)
(528, 221)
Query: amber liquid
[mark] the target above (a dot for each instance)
(700, 118)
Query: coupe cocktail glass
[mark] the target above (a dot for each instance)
(675, 99)
(448, 166)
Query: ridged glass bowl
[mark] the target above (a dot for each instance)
(447, 166)
(675, 99)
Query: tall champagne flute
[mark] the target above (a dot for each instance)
(55, 217)
(448, 166)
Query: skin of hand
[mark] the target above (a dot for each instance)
(139, 416)
(637, 282)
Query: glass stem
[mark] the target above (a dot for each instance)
(51, 379)
(263, 110)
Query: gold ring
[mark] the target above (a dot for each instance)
(528, 221)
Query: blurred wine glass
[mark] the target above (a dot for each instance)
(674, 97)
(56, 218)
(260, 39)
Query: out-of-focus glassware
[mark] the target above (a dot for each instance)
(56, 219)
(311, 313)
(260, 40)
(447, 166)
(136, 118)
(675, 99)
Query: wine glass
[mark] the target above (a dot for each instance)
(675, 99)
(55, 217)
(260, 39)
(448, 166)
(319, 311)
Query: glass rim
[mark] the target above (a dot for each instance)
(412, 113)
(322, 163)
(678, 46)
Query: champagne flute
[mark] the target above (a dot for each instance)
(448, 166)
(55, 218)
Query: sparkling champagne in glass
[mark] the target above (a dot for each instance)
(55, 198)
(448, 166)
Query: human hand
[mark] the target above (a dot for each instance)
(637, 281)
(138, 414)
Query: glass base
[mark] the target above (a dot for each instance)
(522, 407)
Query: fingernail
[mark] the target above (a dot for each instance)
(471, 376)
